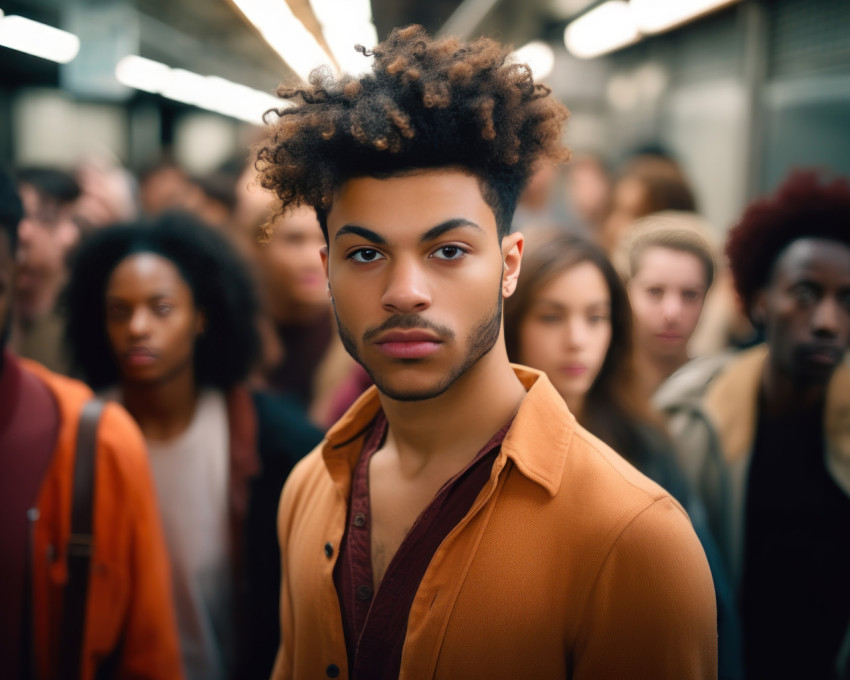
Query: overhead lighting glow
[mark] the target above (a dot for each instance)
(142, 74)
(656, 16)
(285, 34)
(344, 25)
(207, 92)
(40, 40)
(538, 55)
(603, 29)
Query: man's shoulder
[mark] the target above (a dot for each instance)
(120, 445)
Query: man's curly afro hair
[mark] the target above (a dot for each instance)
(804, 206)
(220, 284)
(428, 103)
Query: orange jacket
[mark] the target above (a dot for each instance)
(129, 599)
(570, 564)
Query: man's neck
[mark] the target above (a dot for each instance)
(163, 410)
(453, 427)
(652, 370)
(782, 396)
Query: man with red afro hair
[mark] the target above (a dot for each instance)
(767, 441)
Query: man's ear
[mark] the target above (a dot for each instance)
(512, 246)
(323, 253)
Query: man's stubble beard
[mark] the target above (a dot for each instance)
(482, 339)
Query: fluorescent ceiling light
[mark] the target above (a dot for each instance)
(656, 16)
(603, 29)
(207, 92)
(285, 34)
(41, 40)
(344, 25)
(142, 74)
(538, 55)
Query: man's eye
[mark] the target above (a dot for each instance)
(365, 255)
(804, 294)
(449, 253)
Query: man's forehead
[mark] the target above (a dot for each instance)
(410, 201)
(812, 256)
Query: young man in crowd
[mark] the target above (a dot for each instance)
(670, 270)
(129, 625)
(457, 522)
(46, 235)
(767, 442)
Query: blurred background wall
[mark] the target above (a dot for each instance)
(738, 93)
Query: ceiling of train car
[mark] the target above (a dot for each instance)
(211, 36)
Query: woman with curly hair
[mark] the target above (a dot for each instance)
(161, 317)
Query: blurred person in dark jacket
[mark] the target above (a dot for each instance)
(764, 434)
(161, 317)
(46, 235)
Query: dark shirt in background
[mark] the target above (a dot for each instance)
(304, 347)
(796, 580)
(29, 425)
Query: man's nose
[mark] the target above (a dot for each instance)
(827, 316)
(671, 306)
(406, 288)
(26, 229)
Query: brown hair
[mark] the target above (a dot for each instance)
(428, 103)
(611, 409)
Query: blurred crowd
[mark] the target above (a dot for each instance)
(159, 291)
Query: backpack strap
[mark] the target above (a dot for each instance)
(80, 544)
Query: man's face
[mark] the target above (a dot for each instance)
(292, 264)
(45, 236)
(806, 310)
(7, 278)
(667, 294)
(417, 274)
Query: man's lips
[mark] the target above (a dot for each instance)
(824, 355)
(408, 344)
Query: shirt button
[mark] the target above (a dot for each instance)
(364, 592)
(332, 671)
(359, 519)
(329, 550)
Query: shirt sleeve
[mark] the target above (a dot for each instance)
(652, 612)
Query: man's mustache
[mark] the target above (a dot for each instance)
(405, 322)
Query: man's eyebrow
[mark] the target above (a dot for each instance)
(363, 232)
(448, 225)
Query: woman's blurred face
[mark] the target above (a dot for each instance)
(151, 319)
(567, 331)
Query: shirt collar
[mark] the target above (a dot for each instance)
(537, 441)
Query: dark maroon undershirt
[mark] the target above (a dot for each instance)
(304, 348)
(375, 626)
(29, 425)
